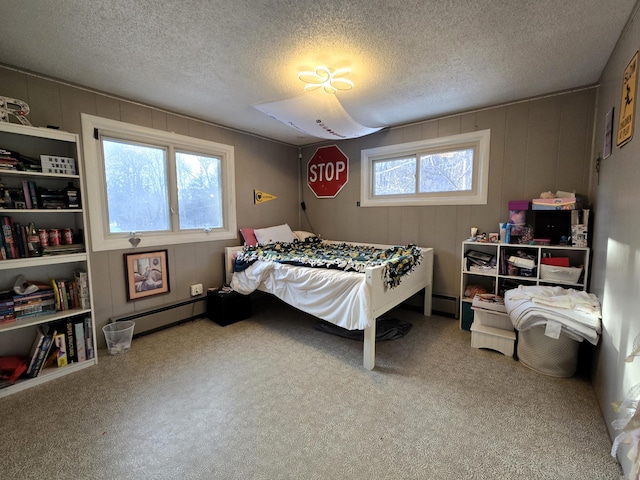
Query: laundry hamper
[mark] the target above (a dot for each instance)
(550, 356)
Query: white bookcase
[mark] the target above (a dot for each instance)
(16, 337)
(499, 279)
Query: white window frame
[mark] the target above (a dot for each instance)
(479, 140)
(96, 195)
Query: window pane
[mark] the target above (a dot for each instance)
(447, 171)
(394, 177)
(199, 191)
(137, 194)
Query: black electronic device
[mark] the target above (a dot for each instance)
(551, 224)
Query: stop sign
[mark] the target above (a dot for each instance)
(327, 171)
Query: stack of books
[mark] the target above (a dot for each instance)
(7, 314)
(37, 303)
(492, 327)
(7, 160)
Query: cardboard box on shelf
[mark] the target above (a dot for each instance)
(558, 203)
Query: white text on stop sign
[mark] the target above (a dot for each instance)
(326, 172)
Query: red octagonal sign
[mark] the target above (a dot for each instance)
(327, 171)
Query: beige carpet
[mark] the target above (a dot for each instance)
(272, 398)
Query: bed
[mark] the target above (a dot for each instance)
(349, 299)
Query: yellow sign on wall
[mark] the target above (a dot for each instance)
(261, 197)
(628, 102)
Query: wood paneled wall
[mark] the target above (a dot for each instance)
(536, 145)
(260, 164)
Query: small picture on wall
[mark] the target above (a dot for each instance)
(147, 274)
(608, 134)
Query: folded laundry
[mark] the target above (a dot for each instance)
(572, 312)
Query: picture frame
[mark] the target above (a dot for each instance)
(147, 274)
(608, 134)
(494, 238)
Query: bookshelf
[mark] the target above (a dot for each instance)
(501, 277)
(47, 212)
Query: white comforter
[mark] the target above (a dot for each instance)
(332, 295)
(572, 312)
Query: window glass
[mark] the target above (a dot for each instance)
(199, 191)
(446, 171)
(394, 176)
(136, 183)
(146, 187)
(451, 170)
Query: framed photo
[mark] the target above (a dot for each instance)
(608, 134)
(147, 274)
(494, 237)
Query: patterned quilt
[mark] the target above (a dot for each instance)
(312, 252)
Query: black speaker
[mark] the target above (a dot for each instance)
(551, 224)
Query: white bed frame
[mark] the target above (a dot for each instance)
(382, 299)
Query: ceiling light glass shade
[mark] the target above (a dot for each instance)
(316, 115)
(322, 77)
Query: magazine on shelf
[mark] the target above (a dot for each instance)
(489, 301)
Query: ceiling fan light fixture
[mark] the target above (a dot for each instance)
(322, 77)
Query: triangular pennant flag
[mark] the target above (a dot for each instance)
(261, 197)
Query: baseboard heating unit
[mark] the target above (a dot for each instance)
(446, 305)
(165, 316)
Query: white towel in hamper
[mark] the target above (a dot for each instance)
(572, 312)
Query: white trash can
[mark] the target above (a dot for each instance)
(118, 336)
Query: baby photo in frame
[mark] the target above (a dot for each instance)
(147, 274)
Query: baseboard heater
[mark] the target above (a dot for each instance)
(154, 319)
(446, 305)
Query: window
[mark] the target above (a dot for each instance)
(161, 187)
(442, 171)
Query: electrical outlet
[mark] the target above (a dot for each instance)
(196, 289)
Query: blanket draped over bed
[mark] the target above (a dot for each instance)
(313, 252)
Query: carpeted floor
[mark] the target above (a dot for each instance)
(273, 398)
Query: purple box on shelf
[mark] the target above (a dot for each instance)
(518, 204)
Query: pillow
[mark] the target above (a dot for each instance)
(280, 233)
(301, 234)
(248, 236)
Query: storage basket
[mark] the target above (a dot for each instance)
(560, 274)
(550, 356)
(492, 319)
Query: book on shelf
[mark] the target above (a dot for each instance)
(35, 350)
(8, 238)
(27, 194)
(7, 312)
(20, 240)
(71, 343)
(40, 352)
(36, 303)
(61, 353)
(88, 338)
(78, 330)
(82, 289)
(33, 193)
(489, 301)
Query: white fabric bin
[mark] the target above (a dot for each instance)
(550, 356)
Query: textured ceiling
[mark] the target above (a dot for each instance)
(410, 60)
